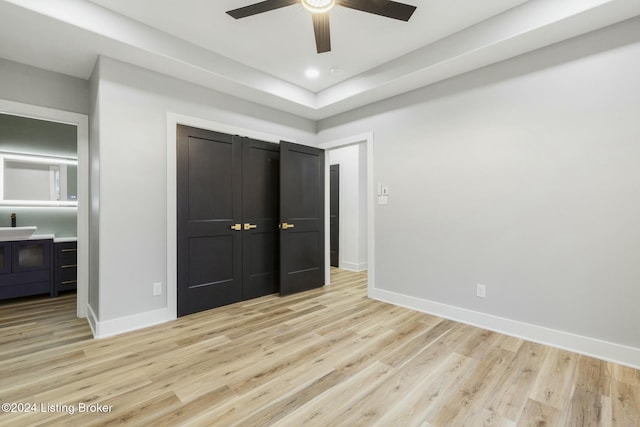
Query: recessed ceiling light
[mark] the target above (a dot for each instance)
(318, 6)
(312, 73)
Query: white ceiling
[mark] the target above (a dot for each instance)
(263, 58)
(281, 42)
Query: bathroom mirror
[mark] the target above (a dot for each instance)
(28, 180)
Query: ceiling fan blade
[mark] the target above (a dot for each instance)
(390, 9)
(263, 6)
(323, 34)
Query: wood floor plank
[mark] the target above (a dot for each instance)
(326, 357)
(380, 400)
(322, 410)
(555, 380)
(511, 394)
(414, 406)
(588, 408)
(625, 404)
(474, 390)
(540, 415)
(625, 374)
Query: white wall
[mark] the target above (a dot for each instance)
(94, 197)
(132, 105)
(353, 208)
(522, 176)
(30, 85)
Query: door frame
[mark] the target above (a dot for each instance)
(81, 121)
(367, 139)
(174, 119)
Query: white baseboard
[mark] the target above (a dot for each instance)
(354, 266)
(612, 352)
(93, 320)
(109, 328)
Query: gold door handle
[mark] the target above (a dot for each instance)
(236, 227)
(248, 226)
(286, 226)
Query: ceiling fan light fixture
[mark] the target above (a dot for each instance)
(318, 6)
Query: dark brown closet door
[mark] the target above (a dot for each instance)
(260, 218)
(302, 218)
(209, 173)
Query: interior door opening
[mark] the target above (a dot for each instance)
(69, 222)
(352, 222)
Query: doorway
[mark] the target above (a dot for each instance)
(348, 181)
(80, 121)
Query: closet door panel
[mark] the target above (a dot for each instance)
(302, 176)
(209, 167)
(260, 211)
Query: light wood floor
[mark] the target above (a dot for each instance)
(328, 357)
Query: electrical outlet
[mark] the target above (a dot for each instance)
(481, 291)
(157, 289)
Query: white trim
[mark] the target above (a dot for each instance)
(354, 266)
(604, 350)
(367, 138)
(92, 319)
(109, 328)
(81, 121)
(31, 158)
(174, 119)
(355, 139)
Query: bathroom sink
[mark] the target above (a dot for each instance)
(16, 233)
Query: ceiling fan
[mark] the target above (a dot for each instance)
(320, 12)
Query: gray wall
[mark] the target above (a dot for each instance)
(522, 176)
(30, 85)
(40, 137)
(132, 105)
(30, 136)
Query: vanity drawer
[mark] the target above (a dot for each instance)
(68, 272)
(66, 267)
(67, 252)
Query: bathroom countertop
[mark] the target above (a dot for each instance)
(40, 237)
(64, 239)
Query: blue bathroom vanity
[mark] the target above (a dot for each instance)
(26, 267)
(37, 265)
